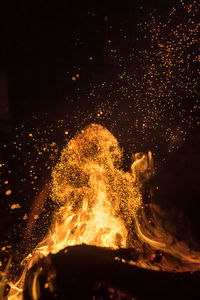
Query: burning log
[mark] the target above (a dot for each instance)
(86, 272)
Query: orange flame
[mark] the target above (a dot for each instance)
(93, 192)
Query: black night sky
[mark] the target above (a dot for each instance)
(132, 66)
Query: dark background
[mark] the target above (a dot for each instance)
(45, 45)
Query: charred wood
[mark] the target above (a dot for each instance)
(89, 272)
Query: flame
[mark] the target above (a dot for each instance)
(101, 205)
(97, 198)
(93, 192)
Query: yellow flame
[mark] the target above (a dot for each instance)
(93, 192)
(96, 204)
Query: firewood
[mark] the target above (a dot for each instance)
(77, 272)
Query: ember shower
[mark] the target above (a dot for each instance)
(148, 99)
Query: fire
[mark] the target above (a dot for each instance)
(101, 205)
(92, 189)
(97, 198)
